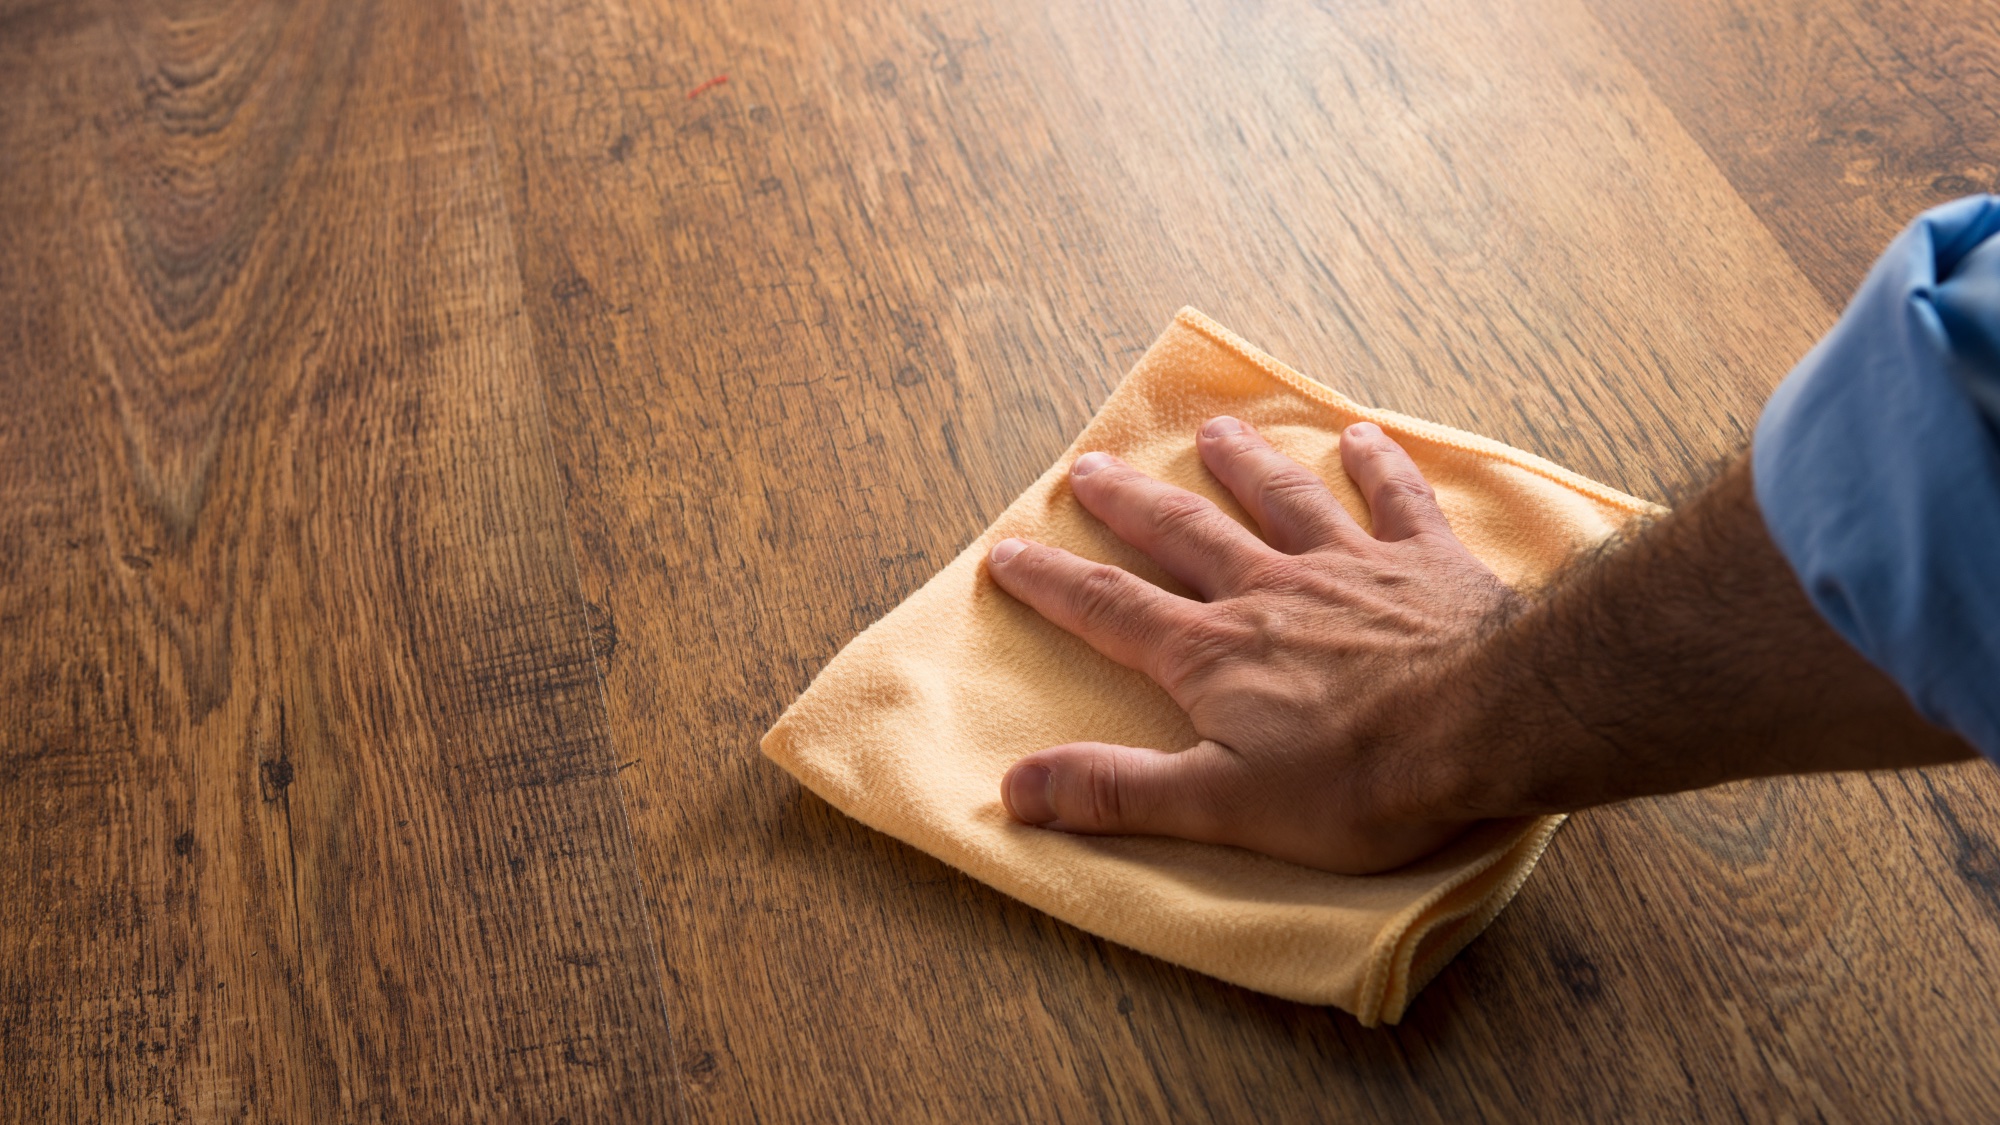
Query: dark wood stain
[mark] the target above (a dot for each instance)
(1838, 120)
(433, 448)
(295, 651)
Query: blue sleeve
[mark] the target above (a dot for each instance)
(1877, 466)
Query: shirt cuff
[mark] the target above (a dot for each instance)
(1877, 468)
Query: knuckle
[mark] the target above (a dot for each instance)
(1099, 596)
(1116, 474)
(1240, 455)
(1386, 456)
(1246, 454)
(1407, 488)
(1179, 512)
(1235, 443)
(1353, 445)
(1036, 569)
(1290, 484)
(1201, 643)
(1280, 572)
(1101, 795)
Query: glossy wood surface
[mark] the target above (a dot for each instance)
(437, 438)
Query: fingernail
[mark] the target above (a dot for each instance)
(1006, 549)
(1221, 426)
(1028, 794)
(1364, 429)
(1089, 463)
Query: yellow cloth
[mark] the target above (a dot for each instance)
(911, 726)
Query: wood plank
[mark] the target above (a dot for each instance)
(808, 330)
(1837, 120)
(311, 806)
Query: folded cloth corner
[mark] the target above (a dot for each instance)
(911, 727)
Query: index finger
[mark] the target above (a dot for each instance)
(1114, 611)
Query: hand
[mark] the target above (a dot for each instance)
(1298, 665)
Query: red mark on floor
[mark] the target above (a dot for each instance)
(708, 85)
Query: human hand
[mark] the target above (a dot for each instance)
(1299, 665)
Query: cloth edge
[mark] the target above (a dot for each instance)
(1395, 972)
(1402, 973)
(1434, 432)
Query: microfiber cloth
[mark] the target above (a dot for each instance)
(910, 728)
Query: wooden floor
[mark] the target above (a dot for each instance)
(435, 443)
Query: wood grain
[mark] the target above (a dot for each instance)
(1837, 120)
(311, 811)
(437, 438)
(808, 331)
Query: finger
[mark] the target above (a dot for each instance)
(1099, 788)
(1400, 500)
(1288, 500)
(1186, 534)
(1114, 611)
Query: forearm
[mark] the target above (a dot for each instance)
(1687, 657)
(1360, 700)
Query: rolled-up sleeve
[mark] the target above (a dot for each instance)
(1877, 466)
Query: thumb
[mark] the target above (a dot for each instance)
(1100, 788)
